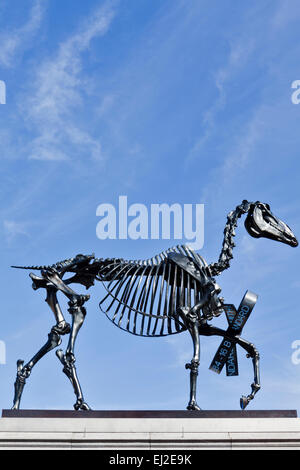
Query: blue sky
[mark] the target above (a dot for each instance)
(164, 102)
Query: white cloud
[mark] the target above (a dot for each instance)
(58, 90)
(244, 146)
(16, 40)
(106, 104)
(237, 57)
(287, 12)
(13, 229)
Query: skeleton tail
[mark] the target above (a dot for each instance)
(31, 267)
(60, 265)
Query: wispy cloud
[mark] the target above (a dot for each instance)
(244, 146)
(16, 40)
(12, 229)
(287, 12)
(237, 57)
(58, 89)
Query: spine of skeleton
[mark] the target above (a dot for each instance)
(228, 243)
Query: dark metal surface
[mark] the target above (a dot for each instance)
(141, 414)
(172, 292)
(236, 325)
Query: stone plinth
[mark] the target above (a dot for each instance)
(149, 430)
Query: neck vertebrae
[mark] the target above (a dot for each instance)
(228, 244)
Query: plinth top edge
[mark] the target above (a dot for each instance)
(127, 414)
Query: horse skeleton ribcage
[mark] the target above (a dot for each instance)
(143, 296)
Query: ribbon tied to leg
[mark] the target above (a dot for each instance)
(226, 353)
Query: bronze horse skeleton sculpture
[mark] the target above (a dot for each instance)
(172, 292)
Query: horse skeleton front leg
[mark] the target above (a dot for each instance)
(192, 322)
(255, 386)
(210, 330)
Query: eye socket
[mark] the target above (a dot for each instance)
(262, 205)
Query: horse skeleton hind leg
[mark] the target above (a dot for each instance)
(53, 283)
(54, 340)
(78, 313)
